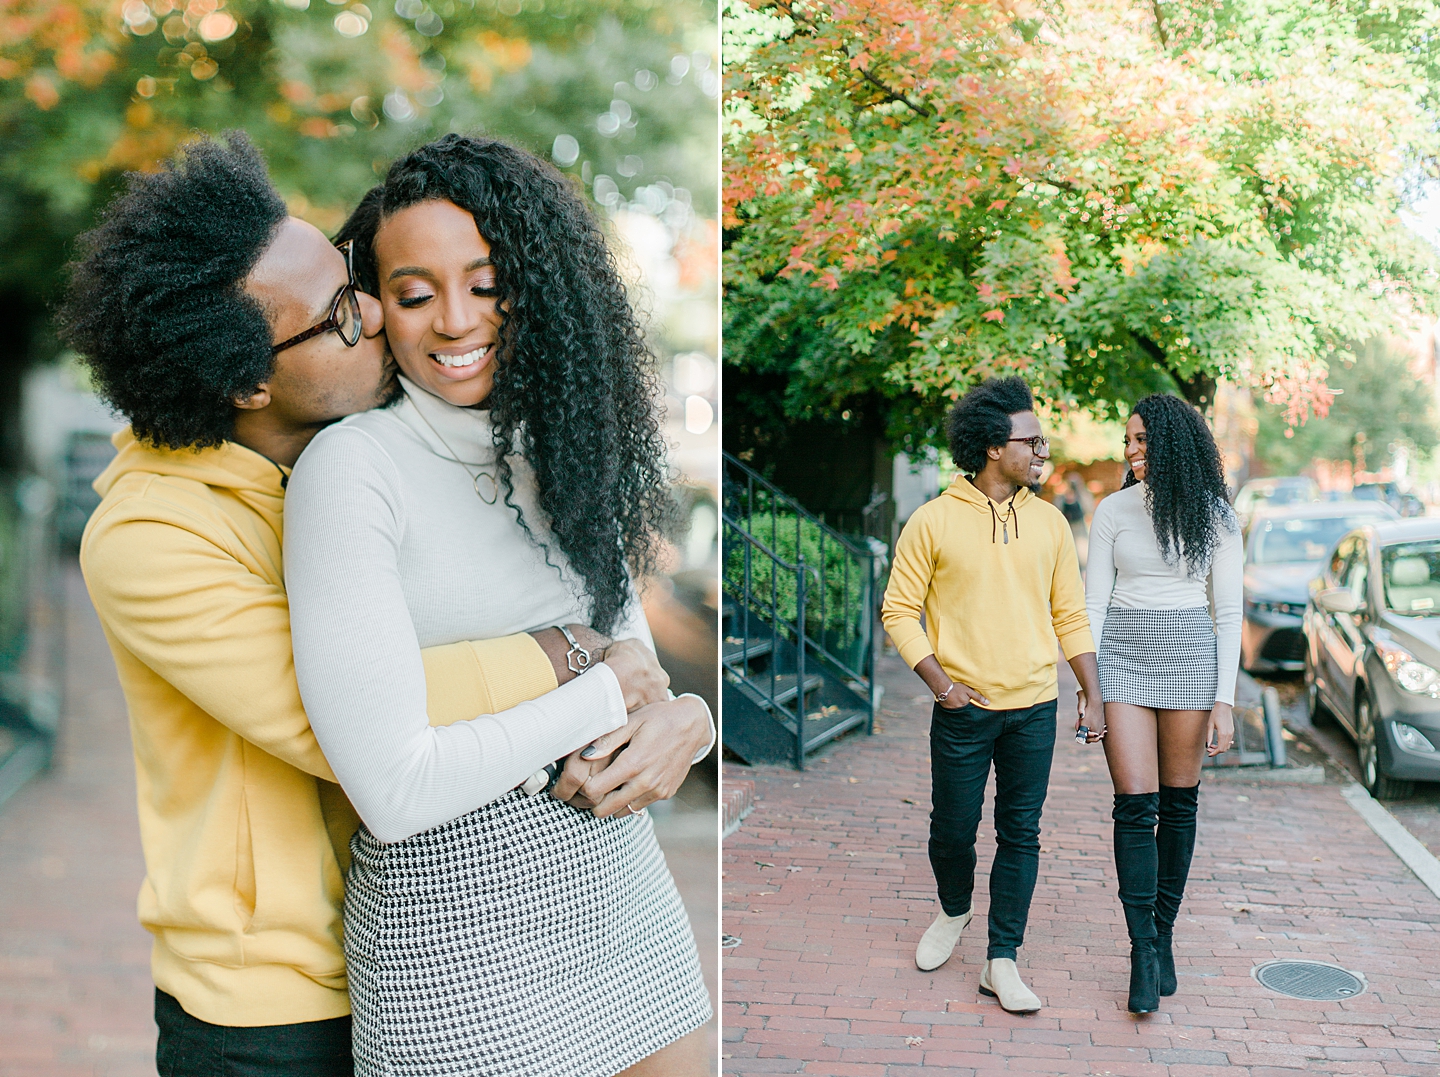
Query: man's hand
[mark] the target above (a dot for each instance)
(659, 741)
(639, 672)
(1090, 712)
(553, 642)
(1088, 701)
(938, 681)
(961, 695)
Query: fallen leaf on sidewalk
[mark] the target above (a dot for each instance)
(852, 854)
(906, 800)
(854, 781)
(794, 867)
(729, 941)
(762, 864)
(914, 1041)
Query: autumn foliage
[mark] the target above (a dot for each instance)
(1108, 196)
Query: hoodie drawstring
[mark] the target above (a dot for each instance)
(1004, 521)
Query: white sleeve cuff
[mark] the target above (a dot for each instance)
(703, 752)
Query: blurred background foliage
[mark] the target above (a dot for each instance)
(621, 94)
(1381, 407)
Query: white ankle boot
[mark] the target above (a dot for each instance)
(1000, 979)
(939, 940)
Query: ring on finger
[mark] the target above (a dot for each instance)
(632, 811)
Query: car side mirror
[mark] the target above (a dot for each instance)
(1337, 600)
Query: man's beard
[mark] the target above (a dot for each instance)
(391, 391)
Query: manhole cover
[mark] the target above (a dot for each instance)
(1310, 980)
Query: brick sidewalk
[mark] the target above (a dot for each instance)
(828, 887)
(75, 989)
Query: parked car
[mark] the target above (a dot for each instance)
(1274, 492)
(1388, 492)
(1372, 655)
(1284, 550)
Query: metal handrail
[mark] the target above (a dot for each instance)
(754, 478)
(759, 514)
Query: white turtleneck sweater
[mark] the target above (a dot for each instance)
(1125, 569)
(388, 549)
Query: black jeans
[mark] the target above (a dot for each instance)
(963, 743)
(190, 1047)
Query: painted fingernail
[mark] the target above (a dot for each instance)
(590, 753)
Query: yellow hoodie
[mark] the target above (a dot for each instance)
(246, 835)
(996, 592)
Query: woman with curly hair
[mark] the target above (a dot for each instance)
(519, 480)
(1167, 667)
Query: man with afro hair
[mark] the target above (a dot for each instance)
(992, 571)
(229, 333)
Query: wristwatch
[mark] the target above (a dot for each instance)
(577, 658)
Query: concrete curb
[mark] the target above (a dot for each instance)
(1392, 832)
(1313, 774)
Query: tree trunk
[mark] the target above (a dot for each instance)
(1198, 389)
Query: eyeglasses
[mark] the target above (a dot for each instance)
(1037, 444)
(344, 315)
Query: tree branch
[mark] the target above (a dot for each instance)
(1199, 389)
(891, 94)
(1160, 24)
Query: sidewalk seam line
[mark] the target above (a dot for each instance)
(1411, 851)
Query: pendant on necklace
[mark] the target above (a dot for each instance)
(1005, 533)
(490, 484)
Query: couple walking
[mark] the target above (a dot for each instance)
(429, 637)
(984, 583)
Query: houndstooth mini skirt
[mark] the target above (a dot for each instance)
(526, 939)
(1164, 659)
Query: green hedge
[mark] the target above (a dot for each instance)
(843, 628)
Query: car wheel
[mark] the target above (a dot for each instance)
(1319, 713)
(1367, 735)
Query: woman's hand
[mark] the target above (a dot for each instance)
(1220, 730)
(639, 672)
(659, 741)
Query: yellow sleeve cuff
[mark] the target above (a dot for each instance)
(1079, 641)
(914, 648)
(463, 680)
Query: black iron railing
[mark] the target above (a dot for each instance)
(32, 613)
(800, 623)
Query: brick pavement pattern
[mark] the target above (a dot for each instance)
(76, 997)
(829, 888)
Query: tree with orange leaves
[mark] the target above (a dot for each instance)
(1109, 196)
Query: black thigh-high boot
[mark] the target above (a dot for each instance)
(1135, 816)
(1174, 846)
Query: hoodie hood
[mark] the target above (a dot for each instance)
(1004, 515)
(231, 466)
(969, 493)
(256, 480)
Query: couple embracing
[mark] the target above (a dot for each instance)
(985, 583)
(392, 758)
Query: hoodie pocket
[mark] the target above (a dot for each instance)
(244, 864)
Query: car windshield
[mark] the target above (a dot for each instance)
(1411, 572)
(1277, 542)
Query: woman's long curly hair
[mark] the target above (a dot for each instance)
(575, 383)
(1185, 483)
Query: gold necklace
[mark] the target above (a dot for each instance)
(474, 479)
